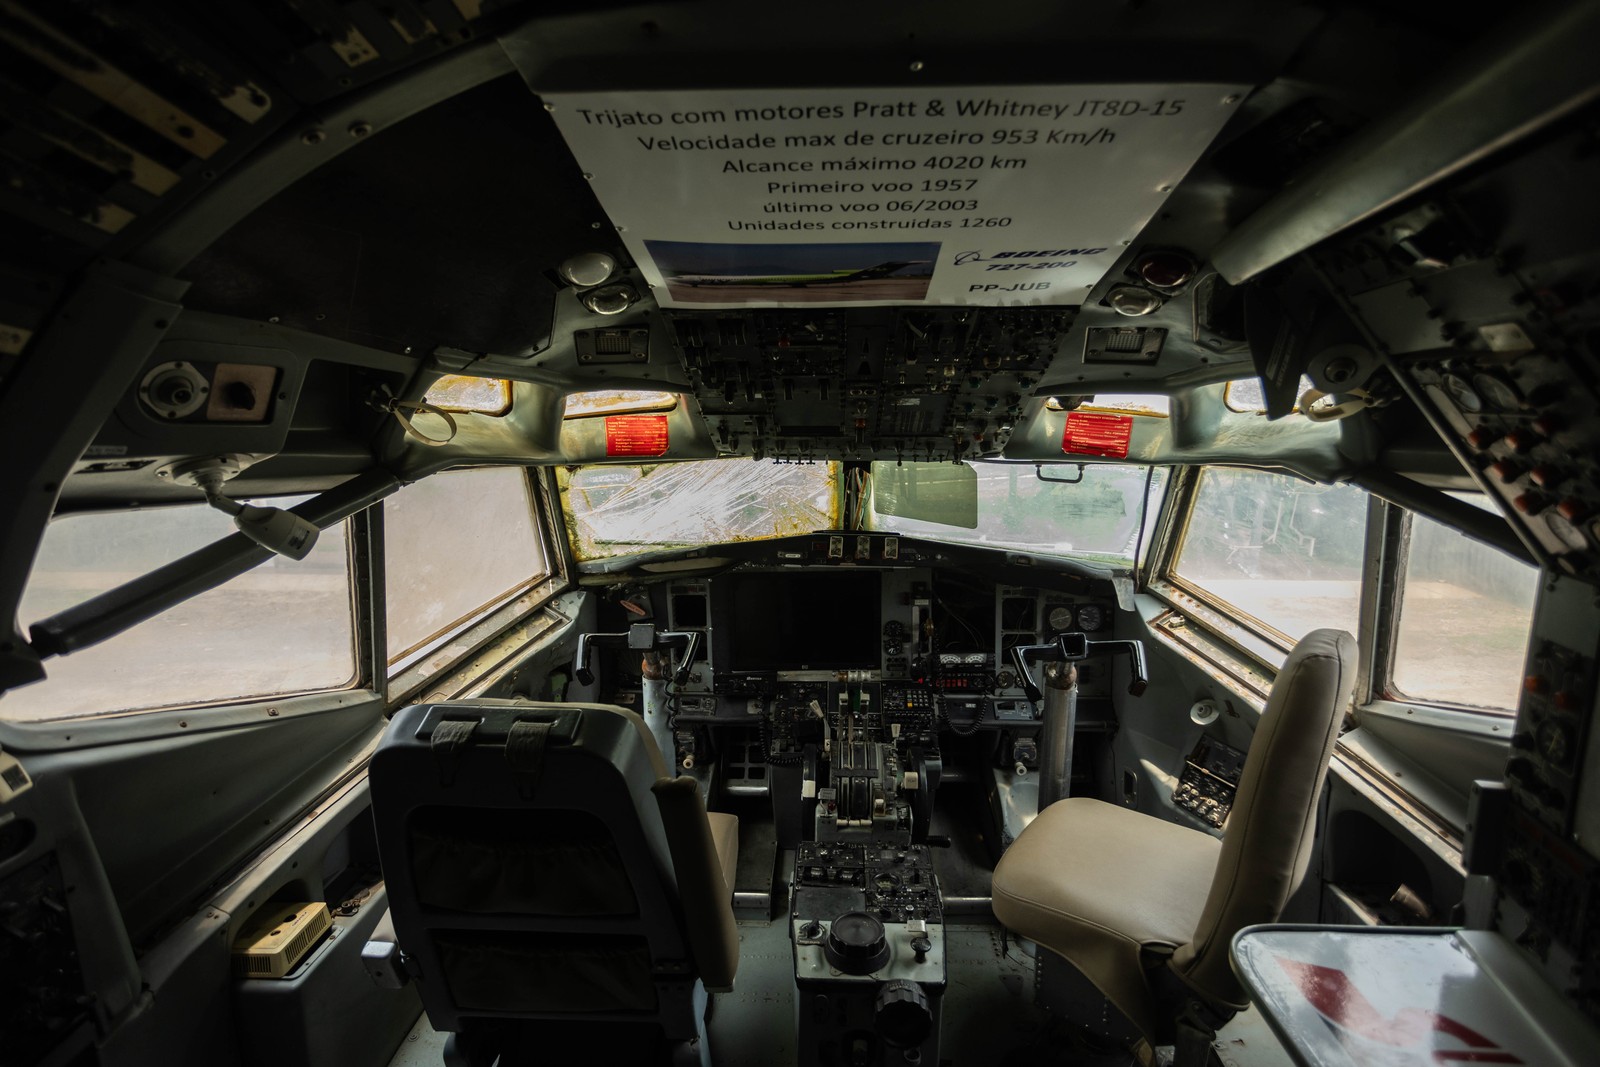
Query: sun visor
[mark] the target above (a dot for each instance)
(791, 198)
(945, 493)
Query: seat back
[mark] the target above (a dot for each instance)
(541, 863)
(1267, 845)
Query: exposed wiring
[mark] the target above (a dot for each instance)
(977, 638)
(857, 488)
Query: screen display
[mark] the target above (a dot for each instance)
(798, 620)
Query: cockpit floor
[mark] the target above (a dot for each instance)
(989, 1016)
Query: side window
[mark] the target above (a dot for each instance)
(282, 627)
(454, 546)
(1465, 612)
(1279, 553)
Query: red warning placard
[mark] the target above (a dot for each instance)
(636, 435)
(1090, 434)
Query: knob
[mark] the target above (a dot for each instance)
(1572, 509)
(1021, 769)
(1506, 470)
(1548, 425)
(1520, 440)
(856, 944)
(902, 1014)
(1546, 476)
(920, 946)
(1531, 503)
(1483, 437)
(1521, 771)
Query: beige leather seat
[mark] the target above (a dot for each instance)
(1123, 896)
(552, 887)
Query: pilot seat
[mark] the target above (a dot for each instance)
(557, 895)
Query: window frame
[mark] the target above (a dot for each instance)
(414, 672)
(1262, 644)
(204, 716)
(1383, 697)
(1259, 645)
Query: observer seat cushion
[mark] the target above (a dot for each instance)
(1096, 884)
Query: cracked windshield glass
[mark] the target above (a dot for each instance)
(620, 511)
(624, 510)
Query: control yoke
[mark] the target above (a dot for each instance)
(641, 637)
(1068, 648)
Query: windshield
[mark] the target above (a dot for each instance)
(626, 510)
(1097, 516)
(619, 511)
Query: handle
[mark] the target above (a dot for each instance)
(1068, 648)
(641, 637)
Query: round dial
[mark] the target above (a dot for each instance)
(1569, 534)
(895, 630)
(1555, 742)
(1496, 392)
(1462, 394)
(1005, 680)
(1091, 617)
(1060, 618)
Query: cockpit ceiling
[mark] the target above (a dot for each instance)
(709, 199)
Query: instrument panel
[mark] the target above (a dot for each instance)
(828, 638)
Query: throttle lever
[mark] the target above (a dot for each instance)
(1071, 647)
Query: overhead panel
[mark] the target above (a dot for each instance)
(989, 195)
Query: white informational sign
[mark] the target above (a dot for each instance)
(997, 196)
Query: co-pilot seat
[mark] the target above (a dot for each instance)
(1146, 909)
(554, 891)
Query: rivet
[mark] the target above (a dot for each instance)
(313, 137)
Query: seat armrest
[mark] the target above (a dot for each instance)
(702, 894)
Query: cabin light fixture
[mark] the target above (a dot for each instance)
(279, 531)
(610, 299)
(1133, 301)
(587, 269)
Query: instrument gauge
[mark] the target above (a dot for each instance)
(1568, 534)
(1005, 680)
(1060, 618)
(1554, 740)
(1496, 392)
(1462, 394)
(1091, 617)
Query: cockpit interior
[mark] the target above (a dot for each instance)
(863, 535)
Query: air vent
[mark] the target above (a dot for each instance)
(612, 346)
(1123, 344)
